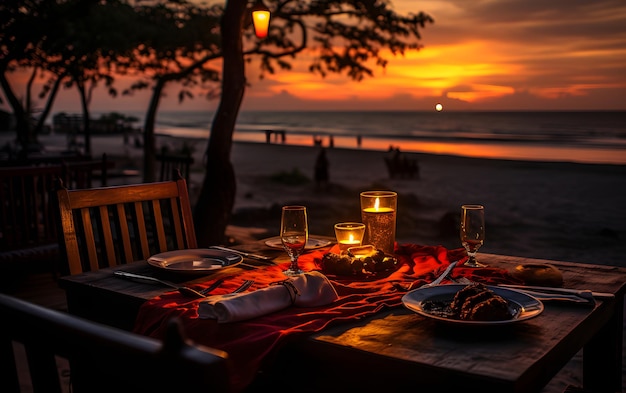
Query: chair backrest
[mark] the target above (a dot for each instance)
(26, 217)
(108, 226)
(100, 358)
(81, 174)
(171, 163)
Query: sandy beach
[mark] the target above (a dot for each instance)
(560, 211)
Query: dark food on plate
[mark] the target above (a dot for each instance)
(476, 302)
(355, 265)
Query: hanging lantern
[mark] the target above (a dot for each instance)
(260, 19)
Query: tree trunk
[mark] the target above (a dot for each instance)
(149, 142)
(213, 208)
(49, 102)
(22, 123)
(86, 118)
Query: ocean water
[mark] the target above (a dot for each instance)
(585, 137)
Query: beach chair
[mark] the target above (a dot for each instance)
(39, 343)
(109, 226)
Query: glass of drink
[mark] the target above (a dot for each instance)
(294, 233)
(472, 232)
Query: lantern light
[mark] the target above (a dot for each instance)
(260, 19)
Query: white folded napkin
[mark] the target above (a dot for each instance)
(306, 290)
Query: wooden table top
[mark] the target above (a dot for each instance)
(397, 343)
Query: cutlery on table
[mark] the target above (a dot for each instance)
(584, 293)
(244, 254)
(186, 291)
(442, 276)
(213, 286)
(550, 294)
(245, 285)
(436, 281)
(561, 297)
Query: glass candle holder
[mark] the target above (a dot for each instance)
(349, 234)
(378, 213)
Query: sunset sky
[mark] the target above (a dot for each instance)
(478, 55)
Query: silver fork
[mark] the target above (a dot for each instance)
(213, 286)
(245, 285)
(435, 282)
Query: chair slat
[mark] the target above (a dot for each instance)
(158, 225)
(141, 229)
(107, 236)
(90, 242)
(187, 216)
(177, 226)
(123, 228)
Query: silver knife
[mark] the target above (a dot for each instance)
(243, 253)
(553, 290)
(552, 296)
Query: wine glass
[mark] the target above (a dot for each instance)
(472, 232)
(294, 233)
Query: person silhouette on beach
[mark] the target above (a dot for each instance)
(321, 170)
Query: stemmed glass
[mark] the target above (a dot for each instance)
(472, 232)
(294, 233)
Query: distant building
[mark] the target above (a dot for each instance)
(63, 123)
(112, 123)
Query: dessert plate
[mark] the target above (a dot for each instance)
(195, 260)
(433, 302)
(311, 244)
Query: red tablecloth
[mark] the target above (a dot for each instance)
(250, 344)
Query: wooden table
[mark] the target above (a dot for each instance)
(399, 349)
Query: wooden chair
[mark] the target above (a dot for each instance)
(28, 215)
(171, 163)
(28, 238)
(108, 226)
(82, 174)
(100, 358)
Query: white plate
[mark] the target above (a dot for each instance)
(311, 244)
(195, 260)
(521, 305)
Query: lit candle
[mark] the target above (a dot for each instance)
(349, 234)
(378, 213)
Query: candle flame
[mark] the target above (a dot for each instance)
(351, 238)
(376, 204)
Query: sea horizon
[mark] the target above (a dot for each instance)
(572, 136)
(592, 137)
